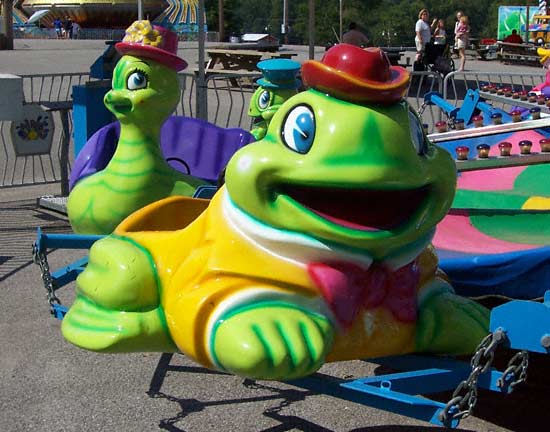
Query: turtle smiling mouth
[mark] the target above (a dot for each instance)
(360, 209)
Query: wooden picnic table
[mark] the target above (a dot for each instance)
(230, 59)
(518, 53)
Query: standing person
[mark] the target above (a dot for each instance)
(423, 33)
(58, 25)
(462, 35)
(68, 25)
(354, 36)
(457, 23)
(440, 35)
(76, 30)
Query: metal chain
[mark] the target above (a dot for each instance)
(422, 109)
(464, 397)
(516, 372)
(451, 122)
(40, 258)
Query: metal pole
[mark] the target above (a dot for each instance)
(221, 23)
(140, 10)
(64, 156)
(311, 28)
(7, 7)
(285, 21)
(340, 40)
(202, 108)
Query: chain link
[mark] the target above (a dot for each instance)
(40, 258)
(422, 109)
(516, 371)
(464, 397)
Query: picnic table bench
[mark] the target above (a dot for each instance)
(230, 59)
(518, 53)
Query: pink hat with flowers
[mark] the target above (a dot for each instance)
(153, 42)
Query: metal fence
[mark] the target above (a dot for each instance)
(229, 94)
(34, 32)
(20, 170)
(457, 83)
(227, 98)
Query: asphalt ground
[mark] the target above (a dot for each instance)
(48, 384)
(42, 56)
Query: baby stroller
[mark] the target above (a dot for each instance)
(436, 58)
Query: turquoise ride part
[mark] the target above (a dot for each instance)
(278, 84)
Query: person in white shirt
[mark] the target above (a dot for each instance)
(423, 32)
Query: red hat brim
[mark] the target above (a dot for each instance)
(359, 90)
(159, 55)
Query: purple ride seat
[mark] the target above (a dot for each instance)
(204, 148)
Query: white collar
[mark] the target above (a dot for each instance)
(301, 249)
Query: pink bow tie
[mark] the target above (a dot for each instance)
(348, 288)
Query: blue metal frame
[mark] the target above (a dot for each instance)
(65, 241)
(472, 102)
(402, 392)
(435, 98)
(69, 273)
(526, 325)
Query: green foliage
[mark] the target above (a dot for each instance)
(386, 22)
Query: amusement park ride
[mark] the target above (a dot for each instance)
(538, 35)
(180, 15)
(314, 228)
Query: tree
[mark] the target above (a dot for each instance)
(376, 17)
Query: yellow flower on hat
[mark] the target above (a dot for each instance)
(144, 33)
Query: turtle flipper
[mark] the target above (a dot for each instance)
(450, 324)
(117, 308)
(272, 341)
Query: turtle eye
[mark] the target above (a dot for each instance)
(299, 129)
(137, 80)
(417, 134)
(263, 100)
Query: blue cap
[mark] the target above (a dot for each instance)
(279, 74)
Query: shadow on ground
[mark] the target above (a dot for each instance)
(286, 398)
(18, 223)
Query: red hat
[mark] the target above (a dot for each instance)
(152, 42)
(357, 75)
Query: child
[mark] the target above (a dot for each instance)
(440, 35)
(462, 35)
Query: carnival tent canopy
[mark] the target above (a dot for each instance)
(38, 15)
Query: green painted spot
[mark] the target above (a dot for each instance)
(534, 180)
(519, 228)
(466, 199)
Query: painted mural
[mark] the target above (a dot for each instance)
(514, 17)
